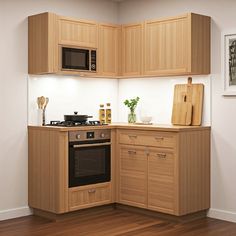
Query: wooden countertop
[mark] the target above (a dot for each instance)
(138, 126)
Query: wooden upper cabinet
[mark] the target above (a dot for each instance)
(109, 50)
(177, 46)
(78, 32)
(132, 49)
(42, 44)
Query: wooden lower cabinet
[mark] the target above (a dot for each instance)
(89, 196)
(133, 176)
(161, 180)
(171, 177)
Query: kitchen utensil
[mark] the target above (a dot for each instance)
(76, 117)
(192, 93)
(182, 113)
(39, 102)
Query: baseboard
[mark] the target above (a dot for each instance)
(222, 215)
(15, 213)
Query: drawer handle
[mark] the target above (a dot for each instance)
(161, 155)
(132, 136)
(91, 190)
(159, 138)
(132, 152)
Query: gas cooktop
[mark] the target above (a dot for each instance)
(74, 124)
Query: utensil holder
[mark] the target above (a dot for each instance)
(43, 117)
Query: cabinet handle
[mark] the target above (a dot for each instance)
(159, 138)
(132, 136)
(91, 190)
(161, 155)
(132, 152)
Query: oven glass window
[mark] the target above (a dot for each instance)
(75, 58)
(89, 165)
(90, 162)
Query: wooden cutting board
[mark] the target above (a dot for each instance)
(182, 113)
(190, 93)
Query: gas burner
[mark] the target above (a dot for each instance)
(74, 124)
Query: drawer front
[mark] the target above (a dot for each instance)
(155, 139)
(161, 181)
(133, 176)
(89, 196)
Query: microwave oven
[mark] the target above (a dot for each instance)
(78, 59)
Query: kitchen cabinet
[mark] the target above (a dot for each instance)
(177, 46)
(132, 49)
(42, 44)
(174, 175)
(48, 163)
(172, 46)
(133, 176)
(109, 50)
(89, 196)
(80, 33)
(161, 168)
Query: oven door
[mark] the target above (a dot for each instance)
(75, 58)
(89, 163)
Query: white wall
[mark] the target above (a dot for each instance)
(68, 94)
(156, 97)
(13, 88)
(223, 163)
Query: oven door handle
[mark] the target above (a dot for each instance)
(91, 145)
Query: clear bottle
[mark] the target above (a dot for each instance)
(108, 113)
(102, 117)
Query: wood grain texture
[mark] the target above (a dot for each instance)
(76, 32)
(181, 113)
(48, 170)
(108, 50)
(132, 49)
(193, 94)
(89, 196)
(161, 180)
(200, 44)
(133, 176)
(42, 43)
(114, 222)
(166, 46)
(194, 171)
(156, 139)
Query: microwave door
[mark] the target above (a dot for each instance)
(75, 59)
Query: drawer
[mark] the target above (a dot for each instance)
(88, 196)
(155, 139)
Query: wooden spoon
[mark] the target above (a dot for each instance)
(39, 102)
(46, 103)
(43, 100)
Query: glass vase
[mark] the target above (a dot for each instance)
(132, 117)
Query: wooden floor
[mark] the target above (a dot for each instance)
(104, 222)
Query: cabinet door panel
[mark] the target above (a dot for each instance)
(132, 40)
(166, 46)
(133, 176)
(161, 181)
(78, 33)
(108, 50)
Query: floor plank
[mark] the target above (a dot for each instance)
(114, 222)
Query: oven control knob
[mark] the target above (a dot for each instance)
(78, 136)
(102, 135)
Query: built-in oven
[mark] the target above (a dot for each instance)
(89, 157)
(78, 59)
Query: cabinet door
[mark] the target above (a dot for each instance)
(132, 47)
(108, 50)
(161, 194)
(133, 176)
(78, 32)
(167, 46)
